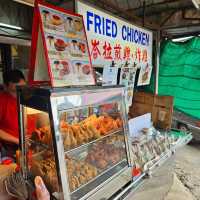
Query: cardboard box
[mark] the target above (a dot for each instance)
(160, 107)
(164, 101)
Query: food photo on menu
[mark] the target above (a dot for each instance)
(60, 44)
(74, 27)
(82, 68)
(77, 48)
(52, 20)
(57, 45)
(61, 69)
(70, 25)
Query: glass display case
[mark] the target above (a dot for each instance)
(75, 139)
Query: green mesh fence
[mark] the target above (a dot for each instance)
(179, 75)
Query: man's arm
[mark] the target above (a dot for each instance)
(7, 137)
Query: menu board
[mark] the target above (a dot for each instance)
(65, 48)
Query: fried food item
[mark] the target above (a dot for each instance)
(78, 135)
(95, 132)
(89, 174)
(47, 170)
(72, 184)
(103, 130)
(82, 179)
(89, 133)
(94, 171)
(119, 123)
(85, 134)
(104, 154)
(45, 135)
(102, 164)
(73, 140)
(79, 172)
(63, 125)
(87, 130)
(115, 125)
(66, 139)
(91, 118)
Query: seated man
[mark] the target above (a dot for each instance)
(9, 131)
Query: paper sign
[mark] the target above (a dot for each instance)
(127, 76)
(145, 75)
(110, 75)
(129, 95)
(138, 123)
(62, 50)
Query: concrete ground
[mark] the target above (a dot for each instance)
(177, 179)
(187, 168)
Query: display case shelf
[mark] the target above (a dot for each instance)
(81, 147)
(97, 181)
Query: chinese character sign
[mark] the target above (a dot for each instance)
(111, 38)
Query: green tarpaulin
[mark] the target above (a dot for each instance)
(179, 75)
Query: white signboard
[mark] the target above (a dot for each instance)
(110, 75)
(138, 123)
(114, 39)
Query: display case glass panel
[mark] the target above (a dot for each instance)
(93, 140)
(39, 151)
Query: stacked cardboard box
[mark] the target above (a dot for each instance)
(160, 107)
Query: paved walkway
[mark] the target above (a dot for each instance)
(163, 185)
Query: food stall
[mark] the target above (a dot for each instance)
(73, 134)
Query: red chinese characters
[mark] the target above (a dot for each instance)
(144, 55)
(107, 53)
(95, 50)
(117, 49)
(138, 54)
(127, 53)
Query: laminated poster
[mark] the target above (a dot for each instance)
(127, 78)
(144, 75)
(60, 52)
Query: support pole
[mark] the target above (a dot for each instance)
(157, 62)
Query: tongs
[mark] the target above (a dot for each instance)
(16, 186)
